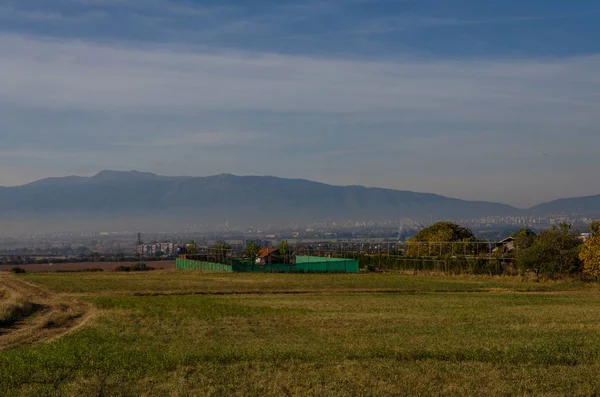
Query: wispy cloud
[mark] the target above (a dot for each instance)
(406, 22)
(78, 75)
(13, 14)
(203, 139)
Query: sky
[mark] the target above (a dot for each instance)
(493, 100)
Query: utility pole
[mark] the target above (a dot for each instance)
(141, 245)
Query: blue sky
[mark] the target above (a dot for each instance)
(494, 100)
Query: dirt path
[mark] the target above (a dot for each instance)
(54, 315)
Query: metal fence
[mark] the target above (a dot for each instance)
(446, 257)
(300, 264)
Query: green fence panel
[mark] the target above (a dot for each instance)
(304, 264)
(317, 264)
(188, 264)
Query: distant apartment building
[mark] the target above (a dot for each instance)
(153, 249)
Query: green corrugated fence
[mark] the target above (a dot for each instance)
(304, 264)
(188, 264)
(317, 264)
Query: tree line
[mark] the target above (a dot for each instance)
(552, 253)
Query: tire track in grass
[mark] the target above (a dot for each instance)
(52, 317)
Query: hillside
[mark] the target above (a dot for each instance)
(589, 205)
(136, 196)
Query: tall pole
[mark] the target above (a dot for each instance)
(141, 247)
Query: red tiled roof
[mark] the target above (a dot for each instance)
(267, 251)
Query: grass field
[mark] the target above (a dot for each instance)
(188, 334)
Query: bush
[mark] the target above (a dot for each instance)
(92, 270)
(555, 252)
(138, 267)
(18, 270)
(590, 256)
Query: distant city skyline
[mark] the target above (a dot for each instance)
(478, 100)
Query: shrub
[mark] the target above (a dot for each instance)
(555, 252)
(138, 267)
(595, 228)
(17, 270)
(590, 256)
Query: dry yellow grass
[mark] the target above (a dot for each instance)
(13, 306)
(30, 314)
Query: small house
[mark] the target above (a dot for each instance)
(506, 245)
(266, 256)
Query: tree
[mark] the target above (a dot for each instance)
(284, 250)
(554, 251)
(595, 228)
(437, 240)
(221, 249)
(443, 231)
(191, 248)
(83, 250)
(524, 238)
(590, 256)
(284, 247)
(252, 249)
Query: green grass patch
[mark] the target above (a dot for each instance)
(433, 335)
(196, 282)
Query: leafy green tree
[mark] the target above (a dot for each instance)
(437, 240)
(284, 250)
(221, 250)
(443, 231)
(590, 256)
(524, 238)
(252, 249)
(554, 252)
(595, 228)
(191, 248)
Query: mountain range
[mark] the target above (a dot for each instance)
(143, 199)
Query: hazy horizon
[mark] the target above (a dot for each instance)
(478, 100)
